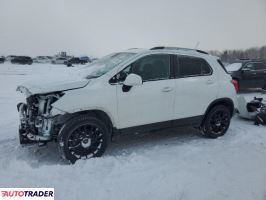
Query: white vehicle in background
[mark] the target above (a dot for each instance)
(59, 60)
(136, 90)
(9, 58)
(42, 59)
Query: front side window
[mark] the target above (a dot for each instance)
(192, 66)
(152, 67)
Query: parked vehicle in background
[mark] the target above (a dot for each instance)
(248, 73)
(42, 59)
(77, 60)
(73, 60)
(2, 59)
(84, 59)
(60, 60)
(10, 57)
(24, 60)
(137, 90)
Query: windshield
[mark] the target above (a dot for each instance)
(233, 67)
(104, 65)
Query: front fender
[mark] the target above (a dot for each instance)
(89, 98)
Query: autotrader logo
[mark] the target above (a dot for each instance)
(27, 193)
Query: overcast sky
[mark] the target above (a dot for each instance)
(98, 27)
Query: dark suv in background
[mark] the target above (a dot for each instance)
(76, 60)
(24, 60)
(248, 73)
(2, 59)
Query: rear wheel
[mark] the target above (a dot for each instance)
(216, 122)
(82, 138)
(264, 87)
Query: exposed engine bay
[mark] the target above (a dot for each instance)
(37, 123)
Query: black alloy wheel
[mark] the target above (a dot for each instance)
(82, 138)
(217, 122)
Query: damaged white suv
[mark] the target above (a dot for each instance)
(132, 91)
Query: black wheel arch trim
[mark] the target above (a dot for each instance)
(101, 115)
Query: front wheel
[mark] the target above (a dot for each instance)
(216, 122)
(83, 137)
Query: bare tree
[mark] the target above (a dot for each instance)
(232, 55)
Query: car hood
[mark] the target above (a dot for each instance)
(47, 85)
(233, 67)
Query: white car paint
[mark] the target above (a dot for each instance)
(149, 103)
(46, 86)
(195, 94)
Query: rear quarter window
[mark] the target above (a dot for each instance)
(192, 66)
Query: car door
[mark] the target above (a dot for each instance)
(253, 75)
(260, 69)
(151, 102)
(196, 87)
(264, 83)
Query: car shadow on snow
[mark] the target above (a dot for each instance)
(129, 143)
(121, 145)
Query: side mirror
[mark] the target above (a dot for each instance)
(133, 80)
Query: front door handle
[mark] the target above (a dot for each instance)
(167, 89)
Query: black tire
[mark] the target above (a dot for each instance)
(216, 122)
(264, 87)
(83, 137)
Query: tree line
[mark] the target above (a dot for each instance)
(230, 56)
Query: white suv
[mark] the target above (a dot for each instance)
(132, 91)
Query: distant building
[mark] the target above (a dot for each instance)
(62, 54)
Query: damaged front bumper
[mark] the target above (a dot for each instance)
(36, 130)
(38, 119)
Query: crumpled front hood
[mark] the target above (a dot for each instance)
(47, 85)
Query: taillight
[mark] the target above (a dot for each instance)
(235, 83)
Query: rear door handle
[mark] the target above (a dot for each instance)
(209, 82)
(167, 89)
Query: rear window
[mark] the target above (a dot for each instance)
(192, 66)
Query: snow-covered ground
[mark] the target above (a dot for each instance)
(173, 164)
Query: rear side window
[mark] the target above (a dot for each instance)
(250, 66)
(260, 66)
(192, 66)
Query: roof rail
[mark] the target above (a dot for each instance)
(250, 59)
(155, 48)
(178, 48)
(133, 48)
